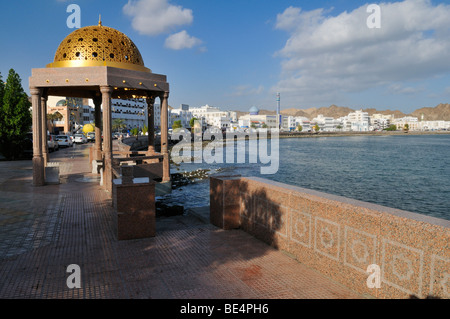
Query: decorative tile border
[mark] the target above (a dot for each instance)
(440, 276)
(360, 249)
(327, 238)
(402, 267)
(301, 228)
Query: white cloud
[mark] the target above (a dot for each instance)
(153, 17)
(397, 88)
(328, 56)
(247, 90)
(181, 40)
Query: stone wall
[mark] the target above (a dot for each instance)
(340, 237)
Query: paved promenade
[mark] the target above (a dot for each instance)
(45, 229)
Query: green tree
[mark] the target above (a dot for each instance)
(264, 125)
(192, 121)
(118, 124)
(144, 129)
(15, 116)
(316, 127)
(406, 128)
(253, 126)
(299, 128)
(392, 127)
(177, 125)
(135, 132)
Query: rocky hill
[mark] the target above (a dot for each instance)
(440, 112)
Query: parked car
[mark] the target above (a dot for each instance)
(64, 140)
(52, 143)
(80, 139)
(91, 136)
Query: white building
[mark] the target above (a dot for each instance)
(434, 125)
(326, 124)
(182, 114)
(213, 116)
(412, 122)
(132, 111)
(381, 121)
(258, 121)
(357, 121)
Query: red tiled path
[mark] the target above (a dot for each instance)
(188, 259)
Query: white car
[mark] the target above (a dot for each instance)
(64, 140)
(80, 139)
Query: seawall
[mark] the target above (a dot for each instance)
(340, 237)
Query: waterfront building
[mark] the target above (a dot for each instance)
(326, 123)
(214, 117)
(380, 121)
(64, 114)
(88, 114)
(182, 114)
(412, 122)
(357, 121)
(434, 125)
(132, 111)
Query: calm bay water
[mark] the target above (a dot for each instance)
(410, 172)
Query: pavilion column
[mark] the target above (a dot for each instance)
(98, 128)
(165, 136)
(38, 159)
(151, 124)
(107, 136)
(44, 129)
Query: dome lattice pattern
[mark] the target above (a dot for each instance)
(98, 45)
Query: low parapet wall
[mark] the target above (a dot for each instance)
(340, 237)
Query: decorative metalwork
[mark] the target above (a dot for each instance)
(98, 46)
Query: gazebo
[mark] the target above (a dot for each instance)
(100, 63)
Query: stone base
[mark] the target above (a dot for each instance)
(52, 174)
(225, 202)
(135, 206)
(38, 171)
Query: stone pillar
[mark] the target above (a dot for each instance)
(165, 136)
(225, 201)
(98, 128)
(44, 129)
(38, 159)
(107, 137)
(151, 124)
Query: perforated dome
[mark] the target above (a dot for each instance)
(98, 46)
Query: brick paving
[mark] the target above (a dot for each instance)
(43, 230)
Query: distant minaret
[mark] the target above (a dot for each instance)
(279, 109)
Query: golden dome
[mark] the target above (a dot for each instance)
(98, 46)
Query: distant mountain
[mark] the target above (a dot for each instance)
(439, 112)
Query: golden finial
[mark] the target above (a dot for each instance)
(100, 20)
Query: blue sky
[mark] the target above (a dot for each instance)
(236, 54)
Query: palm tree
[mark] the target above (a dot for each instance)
(51, 118)
(119, 124)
